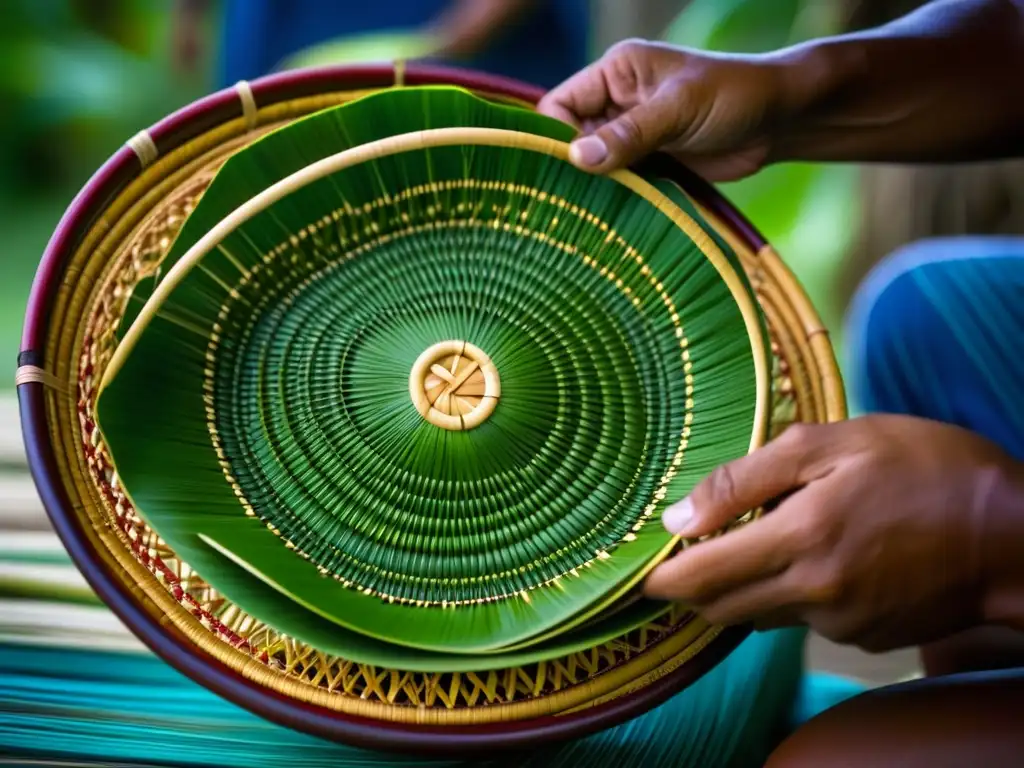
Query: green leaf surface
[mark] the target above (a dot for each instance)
(264, 410)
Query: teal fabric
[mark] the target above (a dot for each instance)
(102, 707)
(820, 691)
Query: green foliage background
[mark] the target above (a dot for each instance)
(77, 78)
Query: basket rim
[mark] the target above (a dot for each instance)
(219, 107)
(171, 646)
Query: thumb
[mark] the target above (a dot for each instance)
(630, 136)
(755, 480)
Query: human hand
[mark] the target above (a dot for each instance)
(892, 535)
(716, 113)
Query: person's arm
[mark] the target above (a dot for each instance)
(945, 83)
(465, 27)
(187, 34)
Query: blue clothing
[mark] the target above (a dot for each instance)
(935, 332)
(256, 35)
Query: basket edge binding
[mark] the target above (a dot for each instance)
(114, 175)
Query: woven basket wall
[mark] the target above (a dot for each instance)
(115, 234)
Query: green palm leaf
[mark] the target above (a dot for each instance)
(277, 427)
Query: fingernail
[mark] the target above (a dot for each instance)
(678, 517)
(588, 151)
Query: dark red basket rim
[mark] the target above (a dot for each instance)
(168, 643)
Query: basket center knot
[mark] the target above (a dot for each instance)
(454, 385)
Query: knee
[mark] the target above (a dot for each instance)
(962, 720)
(891, 319)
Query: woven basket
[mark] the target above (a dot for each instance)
(114, 234)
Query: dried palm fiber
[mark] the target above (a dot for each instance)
(250, 659)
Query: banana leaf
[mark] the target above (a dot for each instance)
(467, 541)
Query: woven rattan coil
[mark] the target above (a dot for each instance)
(124, 241)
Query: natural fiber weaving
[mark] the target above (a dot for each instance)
(395, 413)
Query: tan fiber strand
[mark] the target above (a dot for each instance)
(669, 665)
(811, 322)
(789, 317)
(399, 68)
(795, 378)
(144, 147)
(250, 113)
(825, 357)
(814, 330)
(32, 374)
(781, 315)
(802, 320)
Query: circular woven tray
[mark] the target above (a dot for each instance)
(114, 234)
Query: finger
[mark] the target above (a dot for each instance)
(591, 124)
(733, 489)
(703, 572)
(560, 112)
(635, 133)
(768, 604)
(757, 551)
(584, 95)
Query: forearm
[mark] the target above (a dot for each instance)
(466, 26)
(943, 84)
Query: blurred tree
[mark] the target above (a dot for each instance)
(77, 77)
(128, 24)
(615, 20)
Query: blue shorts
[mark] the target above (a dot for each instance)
(936, 331)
